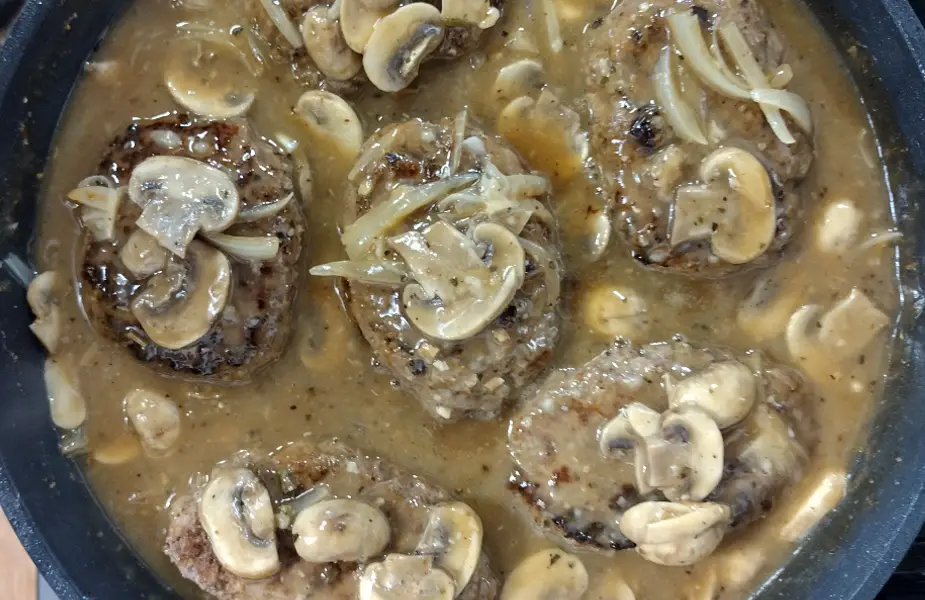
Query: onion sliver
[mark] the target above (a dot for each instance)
(459, 135)
(261, 211)
(550, 268)
(404, 201)
(389, 273)
(282, 22)
(687, 36)
(680, 116)
(552, 26)
(793, 104)
(246, 247)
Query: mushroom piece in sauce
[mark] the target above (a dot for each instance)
(340, 530)
(358, 17)
(453, 536)
(399, 43)
(673, 533)
(325, 43)
(331, 121)
(155, 418)
(551, 574)
(42, 296)
(209, 79)
(406, 577)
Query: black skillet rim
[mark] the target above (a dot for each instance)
(850, 558)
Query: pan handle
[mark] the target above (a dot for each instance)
(8, 10)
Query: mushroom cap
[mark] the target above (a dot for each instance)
(634, 422)
(340, 530)
(179, 196)
(753, 222)
(209, 79)
(358, 17)
(155, 418)
(173, 319)
(725, 390)
(326, 45)
(705, 452)
(837, 232)
(614, 312)
(42, 300)
(453, 536)
(331, 120)
(674, 533)
(142, 255)
(520, 78)
(399, 43)
(404, 577)
(236, 512)
(550, 574)
(67, 405)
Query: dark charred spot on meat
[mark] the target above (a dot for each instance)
(596, 23)
(401, 166)
(417, 366)
(702, 14)
(508, 317)
(648, 128)
(561, 475)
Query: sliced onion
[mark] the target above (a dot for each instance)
(389, 273)
(552, 26)
(459, 135)
(686, 34)
(550, 268)
(374, 152)
(255, 213)
(793, 104)
(404, 201)
(526, 185)
(680, 116)
(282, 22)
(782, 77)
(245, 247)
(717, 52)
(755, 77)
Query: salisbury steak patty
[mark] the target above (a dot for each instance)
(635, 425)
(674, 208)
(250, 328)
(299, 480)
(469, 315)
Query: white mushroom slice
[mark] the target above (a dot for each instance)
(99, 206)
(453, 536)
(155, 418)
(443, 261)
(399, 44)
(520, 78)
(726, 391)
(549, 574)
(771, 448)
(704, 446)
(614, 312)
(388, 273)
(749, 227)
(696, 213)
(358, 17)
(209, 79)
(331, 121)
(142, 255)
(813, 499)
(326, 46)
(469, 12)
(404, 577)
(766, 311)
(340, 530)
(42, 298)
(236, 512)
(258, 248)
(279, 17)
(68, 407)
(633, 423)
(846, 329)
(466, 316)
(837, 233)
(673, 533)
(179, 196)
(179, 305)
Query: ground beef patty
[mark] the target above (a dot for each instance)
(578, 494)
(254, 326)
(643, 159)
(405, 499)
(471, 378)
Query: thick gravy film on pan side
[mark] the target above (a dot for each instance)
(619, 298)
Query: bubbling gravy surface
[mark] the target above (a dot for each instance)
(327, 385)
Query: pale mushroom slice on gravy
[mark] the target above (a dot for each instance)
(452, 265)
(700, 154)
(339, 45)
(326, 522)
(198, 270)
(699, 441)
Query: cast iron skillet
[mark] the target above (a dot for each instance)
(82, 555)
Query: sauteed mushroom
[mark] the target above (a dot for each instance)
(404, 577)
(725, 390)
(155, 418)
(325, 43)
(673, 533)
(340, 530)
(520, 78)
(358, 17)
(142, 255)
(550, 574)
(209, 79)
(68, 407)
(42, 298)
(471, 12)
(331, 120)
(454, 538)
(399, 43)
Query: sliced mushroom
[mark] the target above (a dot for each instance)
(43, 301)
(520, 78)
(703, 445)
(179, 305)
(326, 45)
(697, 211)
(142, 255)
(340, 530)
(236, 512)
(470, 12)
(615, 312)
(404, 577)
(838, 231)
(209, 79)
(441, 259)
(358, 17)
(155, 418)
(179, 196)
(453, 536)
(549, 574)
(68, 407)
(766, 311)
(331, 121)
(813, 499)
(466, 316)
(726, 391)
(749, 227)
(399, 44)
(633, 423)
(99, 205)
(674, 533)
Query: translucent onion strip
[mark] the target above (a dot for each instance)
(282, 22)
(550, 268)
(687, 36)
(246, 247)
(793, 104)
(459, 135)
(268, 209)
(388, 273)
(680, 116)
(552, 26)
